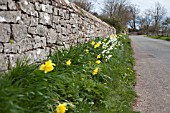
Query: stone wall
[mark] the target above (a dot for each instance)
(33, 28)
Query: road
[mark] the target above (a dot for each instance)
(153, 74)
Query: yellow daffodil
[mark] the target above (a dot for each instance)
(98, 62)
(61, 108)
(47, 67)
(92, 43)
(87, 51)
(95, 71)
(68, 62)
(82, 79)
(98, 56)
(120, 35)
(97, 45)
(104, 40)
(113, 36)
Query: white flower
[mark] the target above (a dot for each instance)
(104, 51)
(108, 52)
(110, 48)
(109, 56)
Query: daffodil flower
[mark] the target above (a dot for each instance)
(113, 36)
(82, 79)
(95, 71)
(97, 45)
(87, 51)
(61, 108)
(104, 40)
(120, 35)
(98, 56)
(98, 62)
(68, 62)
(92, 43)
(47, 67)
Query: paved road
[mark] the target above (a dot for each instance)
(153, 74)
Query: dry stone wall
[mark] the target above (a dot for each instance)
(33, 28)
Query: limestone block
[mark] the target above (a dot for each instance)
(10, 16)
(3, 7)
(25, 45)
(58, 28)
(39, 41)
(63, 23)
(38, 6)
(5, 32)
(39, 30)
(3, 2)
(41, 54)
(47, 8)
(67, 46)
(13, 59)
(10, 48)
(68, 28)
(60, 12)
(52, 36)
(65, 38)
(75, 30)
(11, 5)
(60, 43)
(67, 15)
(60, 38)
(30, 55)
(25, 19)
(45, 1)
(37, 55)
(4, 62)
(56, 19)
(33, 21)
(56, 11)
(45, 18)
(28, 8)
(64, 31)
(1, 47)
(19, 32)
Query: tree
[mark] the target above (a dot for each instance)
(118, 11)
(166, 26)
(85, 4)
(158, 13)
(148, 20)
(134, 11)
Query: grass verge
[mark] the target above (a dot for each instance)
(160, 37)
(95, 77)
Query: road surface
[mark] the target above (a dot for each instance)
(153, 74)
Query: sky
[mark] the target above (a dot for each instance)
(142, 4)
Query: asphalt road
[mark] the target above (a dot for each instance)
(153, 74)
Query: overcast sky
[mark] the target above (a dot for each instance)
(143, 4)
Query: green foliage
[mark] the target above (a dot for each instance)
(26, 89)
(114, 22)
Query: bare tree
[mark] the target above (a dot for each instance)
(166, 26)
(85, 4)
(118, 11)
(158, 13)
(149, 19)
(134, 11)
